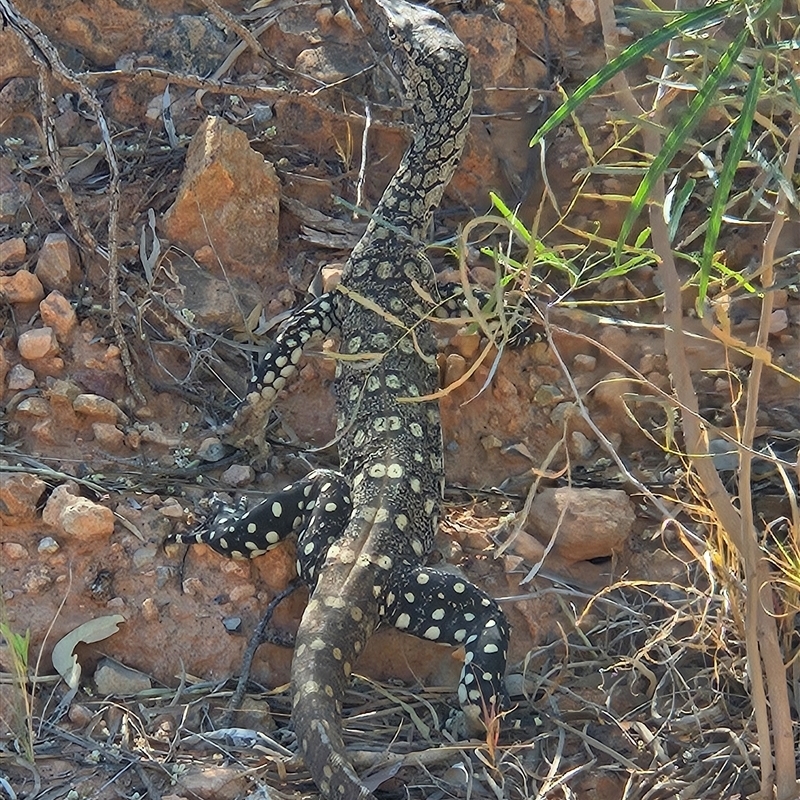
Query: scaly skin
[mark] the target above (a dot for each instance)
(392, 448)
(364, 533)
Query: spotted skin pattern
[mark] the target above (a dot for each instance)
(317, 508)
(364, 533)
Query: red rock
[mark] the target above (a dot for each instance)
(86, 519)
(15, 61)
(228, 198)
(12, 251)
(57, 265)
(584, 363)
(592, 522)
(37, 343)
(584, 10)
(14, 550)
(466, 344)
(108, 436)
(21, 287)
(58, 314)
(56, 503)
(77, 516)
(238, 475)
(101, 31)
(99, 408)
(491, 44)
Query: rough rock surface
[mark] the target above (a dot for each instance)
(586, 523)
(228, 199)
(57, 265)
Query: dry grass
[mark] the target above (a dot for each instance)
(647, 695)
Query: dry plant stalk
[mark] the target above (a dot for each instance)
(769, 691)
(43, 53)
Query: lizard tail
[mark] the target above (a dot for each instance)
(319, 685)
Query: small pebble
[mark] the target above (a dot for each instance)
(37, 343)
(238, 475)
(21, 287)
(21, 378)
(12, 252)
(48, 545)
(211, 449)
(150, 609)
(14, 551)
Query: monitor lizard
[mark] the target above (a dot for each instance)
(364, 531)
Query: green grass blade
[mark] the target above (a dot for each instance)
(642, 238)
(510, 217)
(678, 135)
(630, 55)
(735, 152)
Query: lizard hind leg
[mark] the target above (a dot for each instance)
(444, 607)
(237, 532)
(328, 518)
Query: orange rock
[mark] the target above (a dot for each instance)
(77, 516)
(99, 408)
(228, 199)
(37, 343)
(491, 44)
(57, 265)
(21, 287)
(12, 251)
(108, 436)
(58, 314)
(19, 494)
(590, 523)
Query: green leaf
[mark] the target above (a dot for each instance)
(19, 644)
(642, 238)
(678, 135)
(630, 55)
(723, 190)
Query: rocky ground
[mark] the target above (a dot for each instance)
(126, 334)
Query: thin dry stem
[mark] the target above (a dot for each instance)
(761, 632)
(42, 52)
(761, 588)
